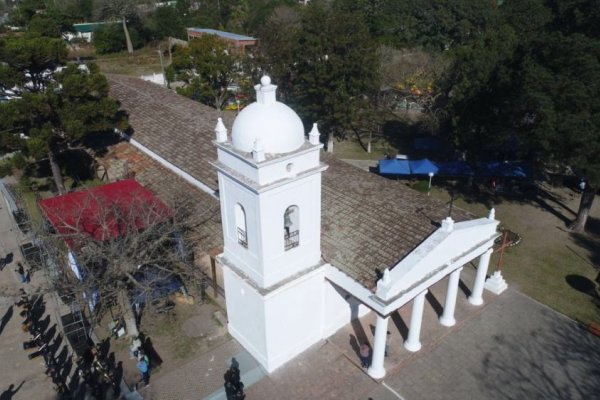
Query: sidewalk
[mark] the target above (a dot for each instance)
(15, 367)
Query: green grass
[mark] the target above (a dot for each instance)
(31, 208)
(351, 150)
(541, 273)
(144, 61)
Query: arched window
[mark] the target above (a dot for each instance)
(240, 224)
(291, 227)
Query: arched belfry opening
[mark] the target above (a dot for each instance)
(291, 227)
(240, 223)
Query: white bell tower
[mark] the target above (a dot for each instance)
(270, 194)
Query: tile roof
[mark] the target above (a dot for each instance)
(168, 186)
(368, 222)
(181, 130)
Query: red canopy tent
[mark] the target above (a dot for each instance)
(104, 212)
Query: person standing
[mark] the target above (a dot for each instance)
(582, 184)
(144, 369)
(365, 352)
(21, 272)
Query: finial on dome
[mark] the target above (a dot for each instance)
(265, 80)
(265, 92)
(221, 131)
(258, 152)
(314, 135)
(492, 214)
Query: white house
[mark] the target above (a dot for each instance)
(309, 242)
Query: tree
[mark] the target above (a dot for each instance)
(325, 63)
(28, 62)
(238, 16)
(129, 244)
(540, 93)
(167, 21)
(206, 67)
(433, 24)
(560, 103)
(57, 109)
(119, 10)
(109, 38)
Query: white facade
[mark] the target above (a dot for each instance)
(281, 297)
(270, 193)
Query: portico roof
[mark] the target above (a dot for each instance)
(368, 223)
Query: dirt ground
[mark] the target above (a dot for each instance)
(171, 340)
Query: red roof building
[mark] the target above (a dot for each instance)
(104, 212)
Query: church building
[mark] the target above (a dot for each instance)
(309, 242)
(282, 295)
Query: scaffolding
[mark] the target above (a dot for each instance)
(75, 327)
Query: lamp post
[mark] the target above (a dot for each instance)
(430, 177)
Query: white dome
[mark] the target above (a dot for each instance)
(275, 126)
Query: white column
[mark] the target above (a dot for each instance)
(447, 318)
(484, 260)
(377, 370)
(413, 343)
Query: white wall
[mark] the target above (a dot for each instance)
(340, 308)
(275, 327)
(294, 318)
(271, 170)
(265, 260)
(245, 314)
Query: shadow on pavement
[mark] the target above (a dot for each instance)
(558, 361)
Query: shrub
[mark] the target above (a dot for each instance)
(109, 39)
(5, 168)
(19, 161)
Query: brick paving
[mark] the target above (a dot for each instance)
(322, 372)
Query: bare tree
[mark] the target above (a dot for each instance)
(123, 248)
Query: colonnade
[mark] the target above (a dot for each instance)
(413, 342)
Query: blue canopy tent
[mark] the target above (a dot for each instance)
(158, 282)
(454, 169)
(394, 167)
(506, 169)
(423, 167)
